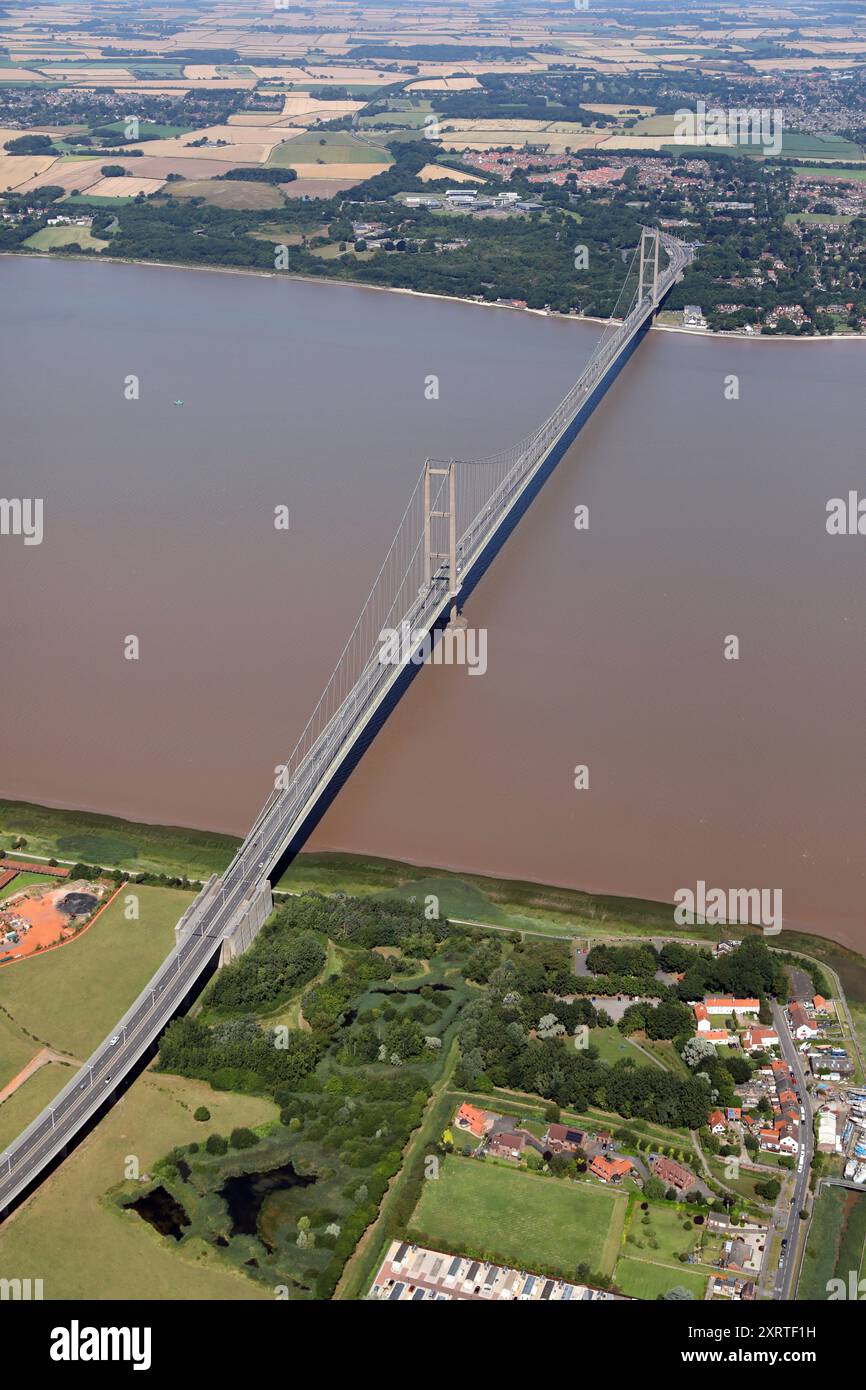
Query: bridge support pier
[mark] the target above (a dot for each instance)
(649, 258)
(254, 912)
(447, 513)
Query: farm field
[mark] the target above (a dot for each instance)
(331, 148)
(70, 998)
(836, 1246)
(519, 1218)
(85, 1246)
(842, 175)
(230, 193)
(49, 238)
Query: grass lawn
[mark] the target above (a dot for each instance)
(329, 147)
(639, 1279)
(524, 1219)
(25, 1103)
(612, 1046)
(49, 238)
(71, 998)
(16, 1048)
(84, 1248)
(25, 880)
(667, 1228)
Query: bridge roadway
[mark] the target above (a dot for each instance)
(290, 813)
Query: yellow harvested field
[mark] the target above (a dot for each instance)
(198, 71)
(16, 169)
(72, 174)
(126, 187)
(341, 76)
(8, 133)
(244, 144)
(299, 104)
(650, 142)
(608, 108)
(356, 172)
(439, 171)
(21, 75)
(555, 144)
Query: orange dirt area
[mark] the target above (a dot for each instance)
(32, 920)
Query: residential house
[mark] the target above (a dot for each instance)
(759, 1037)
(672, 1174)
(729, 1004)
(611, 1170)
(565, 1139)
(471, 1118)
(716, 1122)
(507, 1143)
(802, 1026)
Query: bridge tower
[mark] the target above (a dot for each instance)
(649, 264)
(448, 512)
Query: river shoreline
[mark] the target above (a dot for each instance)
(444, 298)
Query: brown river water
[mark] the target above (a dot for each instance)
(605, 646)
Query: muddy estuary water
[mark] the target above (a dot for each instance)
(605, 647)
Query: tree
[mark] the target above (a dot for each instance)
(216, 1144)
(242, 1138)
(202, 1113)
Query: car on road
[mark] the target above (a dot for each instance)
(107, 1079)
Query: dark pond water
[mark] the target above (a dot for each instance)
(160, 1210)
(246, 1194)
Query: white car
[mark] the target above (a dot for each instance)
(114, 1040)
(800, 1164)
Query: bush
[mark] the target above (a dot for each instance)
(242, 1138)
(202, 1113)
(216, 1144)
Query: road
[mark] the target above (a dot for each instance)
(784, 1283)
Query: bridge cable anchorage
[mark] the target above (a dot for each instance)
(418, 581)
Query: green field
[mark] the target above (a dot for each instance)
(639, 1279)
(70, 836)
(519, 1218)
(30, 1098)
(331, 147)
(612, 1046)
(50, 238)
(25, 880)
(16, 1048)
(836, 1246)
(815, 171)
(819, 219)
(83, 1247)
(70, 999)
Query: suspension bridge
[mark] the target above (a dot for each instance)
(457, 518)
